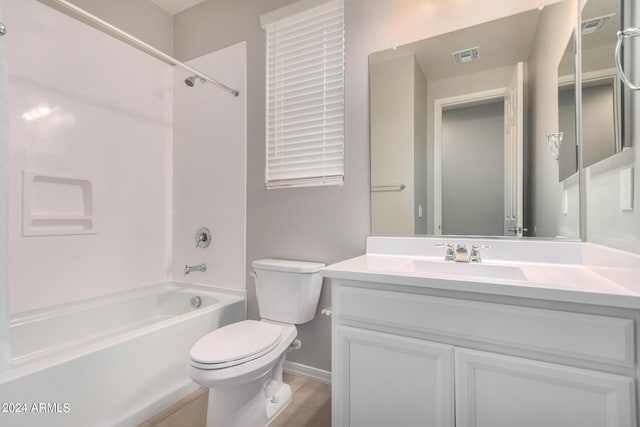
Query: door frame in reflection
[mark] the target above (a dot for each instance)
(514, 149)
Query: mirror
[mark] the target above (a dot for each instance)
(458, 131)
(602, 112)
(568, 147)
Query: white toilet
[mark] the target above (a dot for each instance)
(242, 363)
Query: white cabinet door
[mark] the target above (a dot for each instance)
(500, 391)
(385, 380)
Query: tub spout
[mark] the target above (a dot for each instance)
(189, 268)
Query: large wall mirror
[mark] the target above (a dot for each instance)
(459, 126)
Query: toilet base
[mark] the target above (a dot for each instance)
(228, 409)
(278, 402)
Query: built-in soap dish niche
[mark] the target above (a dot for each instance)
(56, 205)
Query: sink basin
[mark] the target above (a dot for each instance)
(468, 270)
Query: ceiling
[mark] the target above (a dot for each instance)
(173, 7)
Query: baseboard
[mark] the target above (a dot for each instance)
(307, 371)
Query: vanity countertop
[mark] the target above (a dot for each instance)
(593, 275)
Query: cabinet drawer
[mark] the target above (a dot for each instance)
(589, 337)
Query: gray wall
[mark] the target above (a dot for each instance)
(325, 224)
(473, 170)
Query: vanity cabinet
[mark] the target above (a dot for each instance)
(403, 357)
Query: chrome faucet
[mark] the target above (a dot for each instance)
(189, 268)
(459, 253)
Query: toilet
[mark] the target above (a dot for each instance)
(242, 363)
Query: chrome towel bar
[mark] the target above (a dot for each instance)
(387, 188)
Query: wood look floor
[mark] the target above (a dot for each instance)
(310, 406)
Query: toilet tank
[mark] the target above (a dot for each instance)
(287, 291)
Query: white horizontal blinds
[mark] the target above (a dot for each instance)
(305, 97)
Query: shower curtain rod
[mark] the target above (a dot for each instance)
(143, 45)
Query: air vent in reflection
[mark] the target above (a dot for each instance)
(466, 55)
(594, 25)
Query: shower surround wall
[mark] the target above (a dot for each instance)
(5, 353)
(110, 125)
(209, 170)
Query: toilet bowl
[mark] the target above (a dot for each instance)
(242, 363)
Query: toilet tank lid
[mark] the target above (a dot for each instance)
(287, 265)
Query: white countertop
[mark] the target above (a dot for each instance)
(583, 280)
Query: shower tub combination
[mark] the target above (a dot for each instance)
(114, 360)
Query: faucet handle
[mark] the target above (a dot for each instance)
(474, 255)
(451, 254)
(203, 237)
(480, 247)
(444, 245)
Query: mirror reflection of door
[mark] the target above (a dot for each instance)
(479, 160)
(472, 169)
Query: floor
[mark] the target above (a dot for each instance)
(310, 406)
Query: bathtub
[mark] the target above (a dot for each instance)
(114, 360)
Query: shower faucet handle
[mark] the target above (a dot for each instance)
(203, 237)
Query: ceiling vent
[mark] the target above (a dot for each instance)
(594, 25)
(466, 55)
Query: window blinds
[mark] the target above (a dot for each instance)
(305, 97)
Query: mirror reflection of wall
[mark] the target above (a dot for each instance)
(600, 136)
(602, 113)
(611, 160)
(398, 149)
(431, 177)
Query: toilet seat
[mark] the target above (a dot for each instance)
(235, 344)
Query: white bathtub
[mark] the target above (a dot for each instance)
(110, 361)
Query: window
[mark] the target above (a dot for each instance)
(305, 94)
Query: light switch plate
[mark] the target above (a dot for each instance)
(626, 189)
